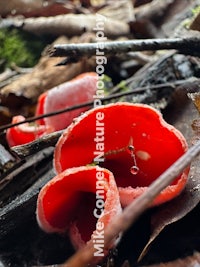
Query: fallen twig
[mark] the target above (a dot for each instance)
(135, 209)
(78, 51)
(37, 145)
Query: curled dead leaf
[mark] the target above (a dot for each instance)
(176, 209)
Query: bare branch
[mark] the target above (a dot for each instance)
(115, 47)
(37, 145)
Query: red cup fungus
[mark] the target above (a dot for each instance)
(79, 90)
(132, 141)
(24, 133)
(81, 201)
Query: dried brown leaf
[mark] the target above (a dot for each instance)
(16, 6)
(176, 209)
(71, 25)
(33, 8)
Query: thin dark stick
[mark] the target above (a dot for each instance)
(31, 148)
(135, 209)
(90, 103)
(115, 47)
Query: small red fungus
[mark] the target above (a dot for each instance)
(131, 140)
(82, 201)
(76, 91)
(79, 90)
(24, 133)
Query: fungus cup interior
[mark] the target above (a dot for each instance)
(69, 201)
(105, 134)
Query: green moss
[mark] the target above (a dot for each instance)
(123, 86)
(107, 84)
(20, 48)
(196, 10)
(186, 23)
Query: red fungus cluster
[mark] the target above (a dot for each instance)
(79, 90)
(131, 144)
(104, 159)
